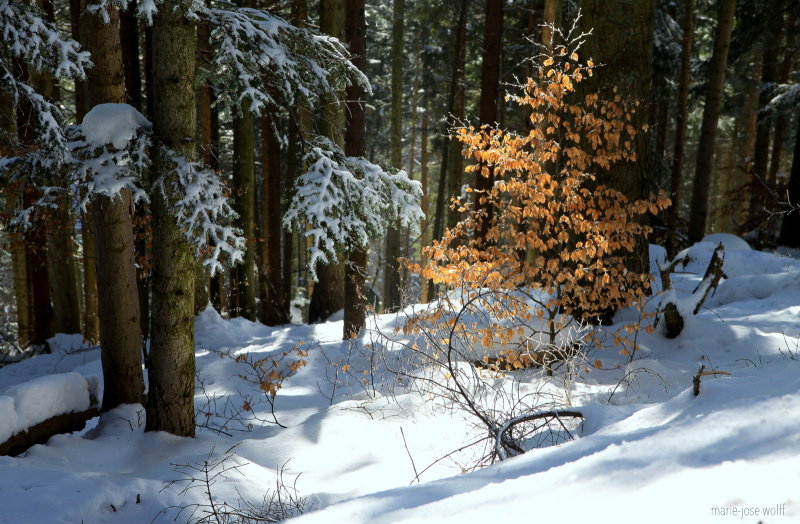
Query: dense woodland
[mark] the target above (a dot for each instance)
(285, 160)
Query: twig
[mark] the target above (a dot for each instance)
(414, 466)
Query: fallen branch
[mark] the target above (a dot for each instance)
(702, 373)
(502, 444)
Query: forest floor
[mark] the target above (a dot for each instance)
(357, 441)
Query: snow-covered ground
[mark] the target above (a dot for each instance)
(647, 451)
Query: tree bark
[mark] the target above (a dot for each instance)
(170, 400)
(681, 125)
(760, 190)
(118, 299)
(327, 295)
(244, 204)
(8, 148)
(790, 228)
(392, 293)
(708, 130)
(490, 83)
(622, 40)
(442, 194)
(40, 310)
(273, 309)
(355, 307)
(425, 235)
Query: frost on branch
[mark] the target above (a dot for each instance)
(346, 201)
(202, 210)
(265, 61)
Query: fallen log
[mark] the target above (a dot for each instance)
(40, 433)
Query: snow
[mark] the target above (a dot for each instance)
(29, 403)
(115, 124)
(357, 441)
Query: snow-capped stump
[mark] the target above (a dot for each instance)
(32, 412)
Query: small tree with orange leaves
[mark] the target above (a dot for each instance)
(521, 289)
(556, 236)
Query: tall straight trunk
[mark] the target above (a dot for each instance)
(40, 311)
(19, 272)
(760, 190)
(355, 269)
(440, 211)
(708, 130)
(392, 293)
(622, 40)
(65, 280)
(170, 400)
(129, 37)
(781, 122)
(681, 125)
(273, 311)
(202, 283)
(790, 228)
(425, 236)
(62, 265)
(490, 84)
(118, 299)
(455, 161)
(91, 324)
(244, 203)
(91, 319)
(244, 185)
(75, 9)
(36, 269)
(8, 148)
(327, 295)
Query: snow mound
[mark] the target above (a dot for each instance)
(114, 124)
(730, 242)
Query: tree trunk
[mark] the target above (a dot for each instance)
(552, 17)
(244, 203)
(170, 400)
(273, 310)
(327, 295)
(790, 228)
(392, 293)
(63, 267)
(355, 307)
(622, 40)
(40, 311)
(442, 187)
(91, 325)
(8, 148)
(681, 125)
(425, 235)
(760, 190)
(490, 83)
(118, 299)
(783, 77)
(708, 130)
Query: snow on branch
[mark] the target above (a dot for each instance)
(33, 41)
(202, 210)
(343, 202)
(29, 37)
(265, 61)
(111, 148)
